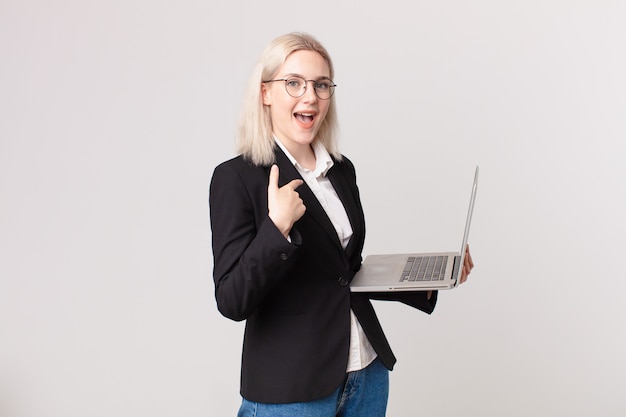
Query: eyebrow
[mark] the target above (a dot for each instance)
(294, 74)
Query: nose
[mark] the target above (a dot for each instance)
(309, 92)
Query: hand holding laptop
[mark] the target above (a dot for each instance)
(468, 265)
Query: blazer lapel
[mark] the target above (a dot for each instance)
(314, 209)
(346, 195)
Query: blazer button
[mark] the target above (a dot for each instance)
(283, 256)
(342, 281)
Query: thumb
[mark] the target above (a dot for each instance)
(273, 184)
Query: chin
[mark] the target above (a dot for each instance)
(305, 140)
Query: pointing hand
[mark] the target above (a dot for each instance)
(284, 203)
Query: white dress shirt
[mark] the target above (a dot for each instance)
(361, 351)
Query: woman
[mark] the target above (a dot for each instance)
(288, 230)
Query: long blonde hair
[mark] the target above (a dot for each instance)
(255, 140)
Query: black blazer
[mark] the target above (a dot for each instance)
(294, 296)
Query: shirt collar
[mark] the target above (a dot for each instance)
(323, 161)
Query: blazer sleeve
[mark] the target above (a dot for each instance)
(250, 254)
(415, 299)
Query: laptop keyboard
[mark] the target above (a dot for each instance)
(424, 268)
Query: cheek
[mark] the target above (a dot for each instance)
(323, 111)
(281, 115)
(282, 105)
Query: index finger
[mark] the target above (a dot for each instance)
(293, 184)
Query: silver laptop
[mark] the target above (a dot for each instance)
(415, 271)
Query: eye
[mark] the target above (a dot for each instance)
(322, 85)
(294, 83)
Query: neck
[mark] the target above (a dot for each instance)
(303, 154)
(306, 158)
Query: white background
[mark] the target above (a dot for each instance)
(113, 115)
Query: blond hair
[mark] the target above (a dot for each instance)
(255, 139)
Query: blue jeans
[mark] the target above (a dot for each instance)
(363, 394)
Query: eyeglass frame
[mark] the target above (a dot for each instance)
(306, 84)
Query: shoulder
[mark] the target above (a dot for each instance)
(238, 169)
(344, 160)
(345, 166)
(237, 183)
(239, 176)
(238, 179)
(236, 163)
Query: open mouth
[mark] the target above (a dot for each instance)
(305, 117)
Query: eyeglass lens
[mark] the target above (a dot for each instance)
(296, 87)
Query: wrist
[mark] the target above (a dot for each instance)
(283, 228)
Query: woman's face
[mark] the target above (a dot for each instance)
(296, 121)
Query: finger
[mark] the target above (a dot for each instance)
(467, 267)
(273, 182)
(463, 276)
(293, 184)
(468, 256)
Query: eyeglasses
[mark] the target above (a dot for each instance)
(296, 86)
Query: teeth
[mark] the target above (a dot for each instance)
(305, 117)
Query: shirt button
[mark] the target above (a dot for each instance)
(283, 256)
(342, 281)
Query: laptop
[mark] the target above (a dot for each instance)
(415, 271)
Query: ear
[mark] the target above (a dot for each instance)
(266, 94)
